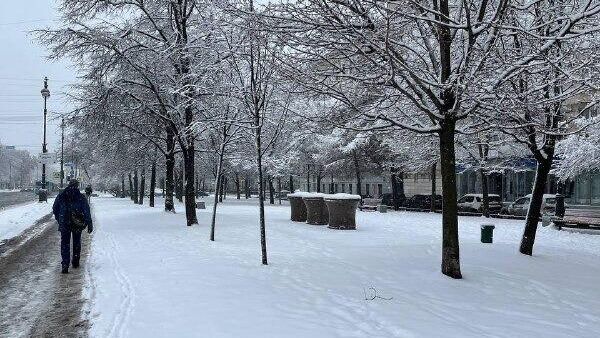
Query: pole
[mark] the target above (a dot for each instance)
(62, 152)
(45, 94)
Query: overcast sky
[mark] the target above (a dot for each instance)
(23, 65)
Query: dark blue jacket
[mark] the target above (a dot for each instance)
(71, 199)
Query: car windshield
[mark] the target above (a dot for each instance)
(550, 200)
(521, 201)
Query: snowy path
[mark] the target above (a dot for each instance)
(151, 276)
(36, 300)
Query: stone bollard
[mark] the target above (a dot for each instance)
(382, 208)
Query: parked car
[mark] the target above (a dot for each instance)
(423, 202)
(474, 203)
(388, 199)
(520, 207)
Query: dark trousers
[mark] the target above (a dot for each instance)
(65, 244)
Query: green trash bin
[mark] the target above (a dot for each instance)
(487, 233)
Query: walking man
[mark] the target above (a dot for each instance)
(88, 192)
(72, 212)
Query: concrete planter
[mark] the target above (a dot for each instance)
(316, 210)
(342, 211)
(298, 209)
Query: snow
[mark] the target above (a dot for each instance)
(342, 196)
(8, 190)
(15, 220)
(151, 276)
(304, 194)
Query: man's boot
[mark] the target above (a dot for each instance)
(75, 264)
(65, 269)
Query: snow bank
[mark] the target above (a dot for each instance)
(15, 220)
(151, 276)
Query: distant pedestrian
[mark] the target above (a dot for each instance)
(72, 212)
(88, 192)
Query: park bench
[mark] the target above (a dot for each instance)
(579, 219)
(370, 204)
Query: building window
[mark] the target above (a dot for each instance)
(379, 190)
(368, 189)
(343, 187)
(335, 188)
(350, 188)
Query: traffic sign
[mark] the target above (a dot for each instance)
(46, 158)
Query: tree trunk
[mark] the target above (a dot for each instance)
(246, 187)
(331, 188)
(485, 209)
(319, 181)
(169, 172)
(433, 186)
(190, 196)
(357, 171)
(216, 199)
(225, 187)
(261, 195)
(135, 187)
(130, 187)
(394, 191)
(308, 177)
(122, 186)
(279, 189)
(142, 186)
(237, 186)
(450, 244)
(220, 187)
(483, 155)
(271, 191)
(535, 206)
(179, 178)
(291, 183)
(152, 183)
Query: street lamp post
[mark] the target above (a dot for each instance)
(62, 152)
(45, 94)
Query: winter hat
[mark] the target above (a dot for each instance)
(74, 183)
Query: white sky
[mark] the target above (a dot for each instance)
(23, 65)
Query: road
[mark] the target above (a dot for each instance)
(8, 199)
(36, 300)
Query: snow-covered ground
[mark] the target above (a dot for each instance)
(15, 220)
(151, 276)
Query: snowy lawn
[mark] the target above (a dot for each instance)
(15, 220)
(151, 276)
